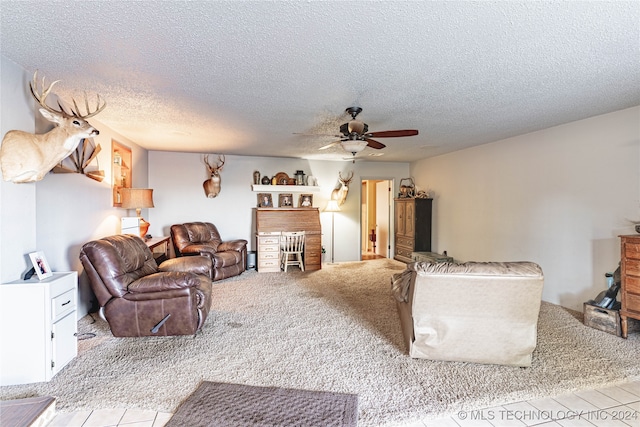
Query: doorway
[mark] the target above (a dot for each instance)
(375, 218)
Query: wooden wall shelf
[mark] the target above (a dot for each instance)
(285, 188)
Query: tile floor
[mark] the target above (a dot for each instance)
(617, 406)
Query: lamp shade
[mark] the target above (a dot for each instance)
(354, 146)
(332, 206)
(136, 198)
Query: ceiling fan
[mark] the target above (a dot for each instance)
(356, 136)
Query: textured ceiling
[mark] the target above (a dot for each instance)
(242, 77)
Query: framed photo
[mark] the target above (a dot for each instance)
(285, 200)
(305, 201)
(264, 200)
(41, 265)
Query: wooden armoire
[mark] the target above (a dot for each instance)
(412, 227)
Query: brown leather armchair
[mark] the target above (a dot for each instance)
(202, 238)
(140, 298)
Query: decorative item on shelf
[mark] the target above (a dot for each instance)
(274, 180)
(407, 191)
(266, 180)
(282, 178)
(138, 199)
(256, 177)
(299, 177)
(421, 194)
(312, 181)
(332, 207)
(292, 181)
(264, 200)
(285, 200)
(306, 201)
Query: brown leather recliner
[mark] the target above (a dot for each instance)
(202, 238)
(137, 297)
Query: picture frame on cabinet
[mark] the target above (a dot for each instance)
(285, 200)
(40, 265)
(305, 201)
(265, 200)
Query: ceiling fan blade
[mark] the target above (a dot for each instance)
(393, 133)
(334, 143)
(374, 144)
(318, 134)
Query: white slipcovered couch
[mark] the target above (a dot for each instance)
(482, 312)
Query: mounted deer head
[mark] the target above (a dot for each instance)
(212, 185)
(340, 193)
(25, 157)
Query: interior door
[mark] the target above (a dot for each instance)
(383, 209)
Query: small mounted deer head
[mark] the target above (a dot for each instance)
(212, 185)
(340, 193)
(25, 157)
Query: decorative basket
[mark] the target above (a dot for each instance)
(407, 191)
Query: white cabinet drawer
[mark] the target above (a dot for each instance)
(63, 303)
(269, 263)
(271, 240)
(269, 255)
(269, 248)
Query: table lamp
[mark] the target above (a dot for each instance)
(138, 199)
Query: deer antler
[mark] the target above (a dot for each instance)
(86, 103)
(41, 98)
(346, 181)
(219, 163)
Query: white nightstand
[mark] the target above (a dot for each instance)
(38, 325)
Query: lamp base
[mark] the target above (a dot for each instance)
(144, 227)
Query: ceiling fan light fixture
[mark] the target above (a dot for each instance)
(354, 146)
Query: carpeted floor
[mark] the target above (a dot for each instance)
(332, 330)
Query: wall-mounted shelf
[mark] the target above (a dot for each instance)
(285, 188)
(121, 164)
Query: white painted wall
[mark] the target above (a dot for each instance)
(559, 197)
(178, 195)
(17, 201)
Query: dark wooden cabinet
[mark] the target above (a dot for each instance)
(412, 227)
(630, 277)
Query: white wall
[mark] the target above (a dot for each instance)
(17, 201)
(559, 197)
(179, 197)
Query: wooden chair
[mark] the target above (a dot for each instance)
(291, 249)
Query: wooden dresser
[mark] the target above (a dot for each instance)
(270, 222)
(412, 227)
(630, 276)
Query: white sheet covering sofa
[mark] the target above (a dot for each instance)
(482, 312)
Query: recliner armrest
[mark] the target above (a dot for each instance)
(164, 281)
(192, 264)
(233, 245)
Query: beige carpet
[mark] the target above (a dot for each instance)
(332, 330)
